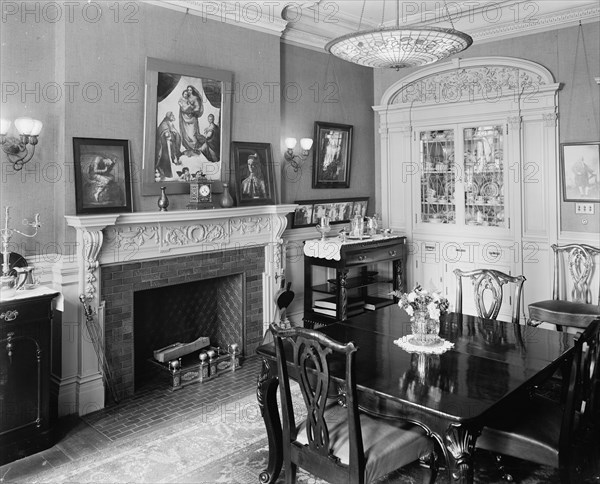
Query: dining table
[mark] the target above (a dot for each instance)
(489, 368)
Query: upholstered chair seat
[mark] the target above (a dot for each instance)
(564, 313)
(533, 433)
(388, 444)
(572, 305)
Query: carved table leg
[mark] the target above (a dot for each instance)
(460, 443)
(266, 393)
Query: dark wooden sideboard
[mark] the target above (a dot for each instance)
(353, 278)
(25, 426)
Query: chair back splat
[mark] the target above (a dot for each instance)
(336, 442)
(579, 262)
(573, 304)
(489, 281)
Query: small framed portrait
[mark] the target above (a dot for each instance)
(359, 208)
(303, 215)
(254, 173)
(321, 210)
(102, 175)
(580, 172)
(187, 125)
(332, 154)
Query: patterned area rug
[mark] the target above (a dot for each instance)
(227, 444)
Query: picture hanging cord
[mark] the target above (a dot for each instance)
(588, 75)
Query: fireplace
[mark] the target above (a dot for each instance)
(121, 256)
(153, 303)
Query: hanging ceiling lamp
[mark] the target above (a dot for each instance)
(396, 47)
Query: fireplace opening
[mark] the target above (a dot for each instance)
(181, 313)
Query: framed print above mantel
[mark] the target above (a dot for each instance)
(332, 155)
(102, 179)
(254, 173)
(187, 125)
(580, 171)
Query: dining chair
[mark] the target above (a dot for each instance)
(489, 281)
(564, 436)
(337, 442)
(576, 261)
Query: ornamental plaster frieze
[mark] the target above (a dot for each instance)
(138, 236)
(470, 83)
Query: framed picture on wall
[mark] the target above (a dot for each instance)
(254, 173)
(332, 154)
(340, 210)
(102, 179)
(187, 126)
(580, 172)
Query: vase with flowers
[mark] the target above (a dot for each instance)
(425, 309)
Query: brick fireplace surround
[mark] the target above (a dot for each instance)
(124, 253)
(121, 281)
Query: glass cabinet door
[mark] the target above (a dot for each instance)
(436, 149)
(484, 187)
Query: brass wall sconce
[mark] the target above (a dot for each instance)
(20, 150)
(293, 159)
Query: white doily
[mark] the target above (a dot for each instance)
(441, 346)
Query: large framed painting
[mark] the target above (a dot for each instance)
(580, 172)
(332, 155)
(187, 125)
(254, 173)
(102, 179)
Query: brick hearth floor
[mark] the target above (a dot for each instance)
(151, 406)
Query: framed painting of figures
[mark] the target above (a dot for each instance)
(332, 155)
(102, 180)
(187, 126)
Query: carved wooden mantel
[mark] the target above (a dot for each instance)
(128, 237)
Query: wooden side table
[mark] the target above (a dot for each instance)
(350, 260)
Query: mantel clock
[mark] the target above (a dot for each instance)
(201, 190)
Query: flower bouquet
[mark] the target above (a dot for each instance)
(424, 309)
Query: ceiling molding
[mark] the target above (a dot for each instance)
(264, 17)
(312, 24)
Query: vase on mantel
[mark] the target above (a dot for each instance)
(226, 198)
(163, 200)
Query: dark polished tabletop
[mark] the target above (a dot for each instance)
(492, 366)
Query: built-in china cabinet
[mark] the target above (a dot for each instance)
(469, 171)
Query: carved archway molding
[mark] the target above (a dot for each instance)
(464, 80)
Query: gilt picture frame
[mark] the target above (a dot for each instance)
(580, 171)
(254, 173)
(187, 126)
(102, 176)
(332, 155)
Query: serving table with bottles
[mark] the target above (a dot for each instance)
(351, 259)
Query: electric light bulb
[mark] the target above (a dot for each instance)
(24, 125)
(37, 127)
(306, 143)
(290, 143)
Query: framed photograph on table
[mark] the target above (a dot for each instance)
(254, 173)
(580, 172)
(303, 215)
(102, 175)
(187, 126)
(332, 155)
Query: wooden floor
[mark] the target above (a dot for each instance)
(151, 406)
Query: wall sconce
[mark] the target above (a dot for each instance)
(17, 149)
(290, 157)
